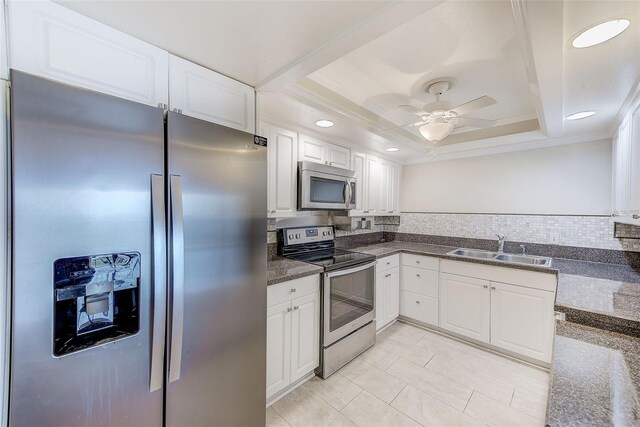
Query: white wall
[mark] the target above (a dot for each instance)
(570, 179)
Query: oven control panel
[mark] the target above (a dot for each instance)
(297, 236)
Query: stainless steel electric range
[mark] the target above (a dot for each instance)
(348, 293)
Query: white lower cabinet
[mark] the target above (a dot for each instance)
(305, 335)
(419, 288)
(522, 320)
(419, 307)
(387, 291)
(517, 316)
(465, 306)
(293, 332)
(278, 347)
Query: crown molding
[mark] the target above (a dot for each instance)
(506, 144)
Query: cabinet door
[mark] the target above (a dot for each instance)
(384, 185)
(395, 188)
(371, 201)
(4, 49)
(465, 306)
(358, 161)
(204, 94)
(305, 335)
(51, 41)
(392, 293)
(522, 320)
(337, 156)
(419, 307)
(278, 347)
(282, 154)
(311, 149)
(381, 312)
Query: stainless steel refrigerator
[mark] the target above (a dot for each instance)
(139, 264)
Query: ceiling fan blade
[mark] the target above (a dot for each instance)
(474, 123)
(413, 110)
(405, 126)
(476, 104)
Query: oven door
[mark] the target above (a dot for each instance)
(348, 300)
(320, 190)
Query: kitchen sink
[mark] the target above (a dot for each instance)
(471, 253)
(523, 259)
(502, 257)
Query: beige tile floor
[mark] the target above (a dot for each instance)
(414, 377)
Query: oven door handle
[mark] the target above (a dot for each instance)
(350, 270)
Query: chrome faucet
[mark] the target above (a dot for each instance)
(501, 243)
(524, 250)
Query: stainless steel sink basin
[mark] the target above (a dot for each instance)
(502, 257)
(472, 253)
(523, 259)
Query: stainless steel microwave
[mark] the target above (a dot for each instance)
(326, 187)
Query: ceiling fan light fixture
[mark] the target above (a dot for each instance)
(600, 33)
(436, 131)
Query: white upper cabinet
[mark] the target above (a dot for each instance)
(204, 94)
(371, 186)
(338, 156)
(51, 41)
(311, 149)
(4, 49)
(314, 150)
(394, 189)
(385, 177)
(282, 154)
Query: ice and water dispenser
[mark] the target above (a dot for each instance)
(96, 300)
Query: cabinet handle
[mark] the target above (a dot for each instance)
(295, 307)
(390, 211)
(417, 302)
(485, 286)
(388, 263)
(493, 288)
(417, 262)
(289, 309)
(417, 275)
(293, 290)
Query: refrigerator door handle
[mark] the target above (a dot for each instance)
(177, 277)
(159, 286)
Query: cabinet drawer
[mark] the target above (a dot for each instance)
(388, 262)
(286, 291)
(419, 281)
(419, 307)
(421, 261)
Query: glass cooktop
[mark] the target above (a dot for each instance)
(333, 259)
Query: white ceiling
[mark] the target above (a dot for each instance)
(356, 61)
(473, 42)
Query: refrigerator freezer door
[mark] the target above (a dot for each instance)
(223, 178)
(82, 167)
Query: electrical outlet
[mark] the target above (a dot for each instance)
(554, 238)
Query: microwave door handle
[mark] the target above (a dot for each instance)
(345, 193)
(350, 191)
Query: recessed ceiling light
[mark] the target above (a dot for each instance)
(392, 149)
(580, 115)
(600, 33)
(324, 123)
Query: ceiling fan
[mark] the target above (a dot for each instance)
(438, 119)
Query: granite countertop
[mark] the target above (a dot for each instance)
(595, 378)
(281, 269)
(397, 246)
